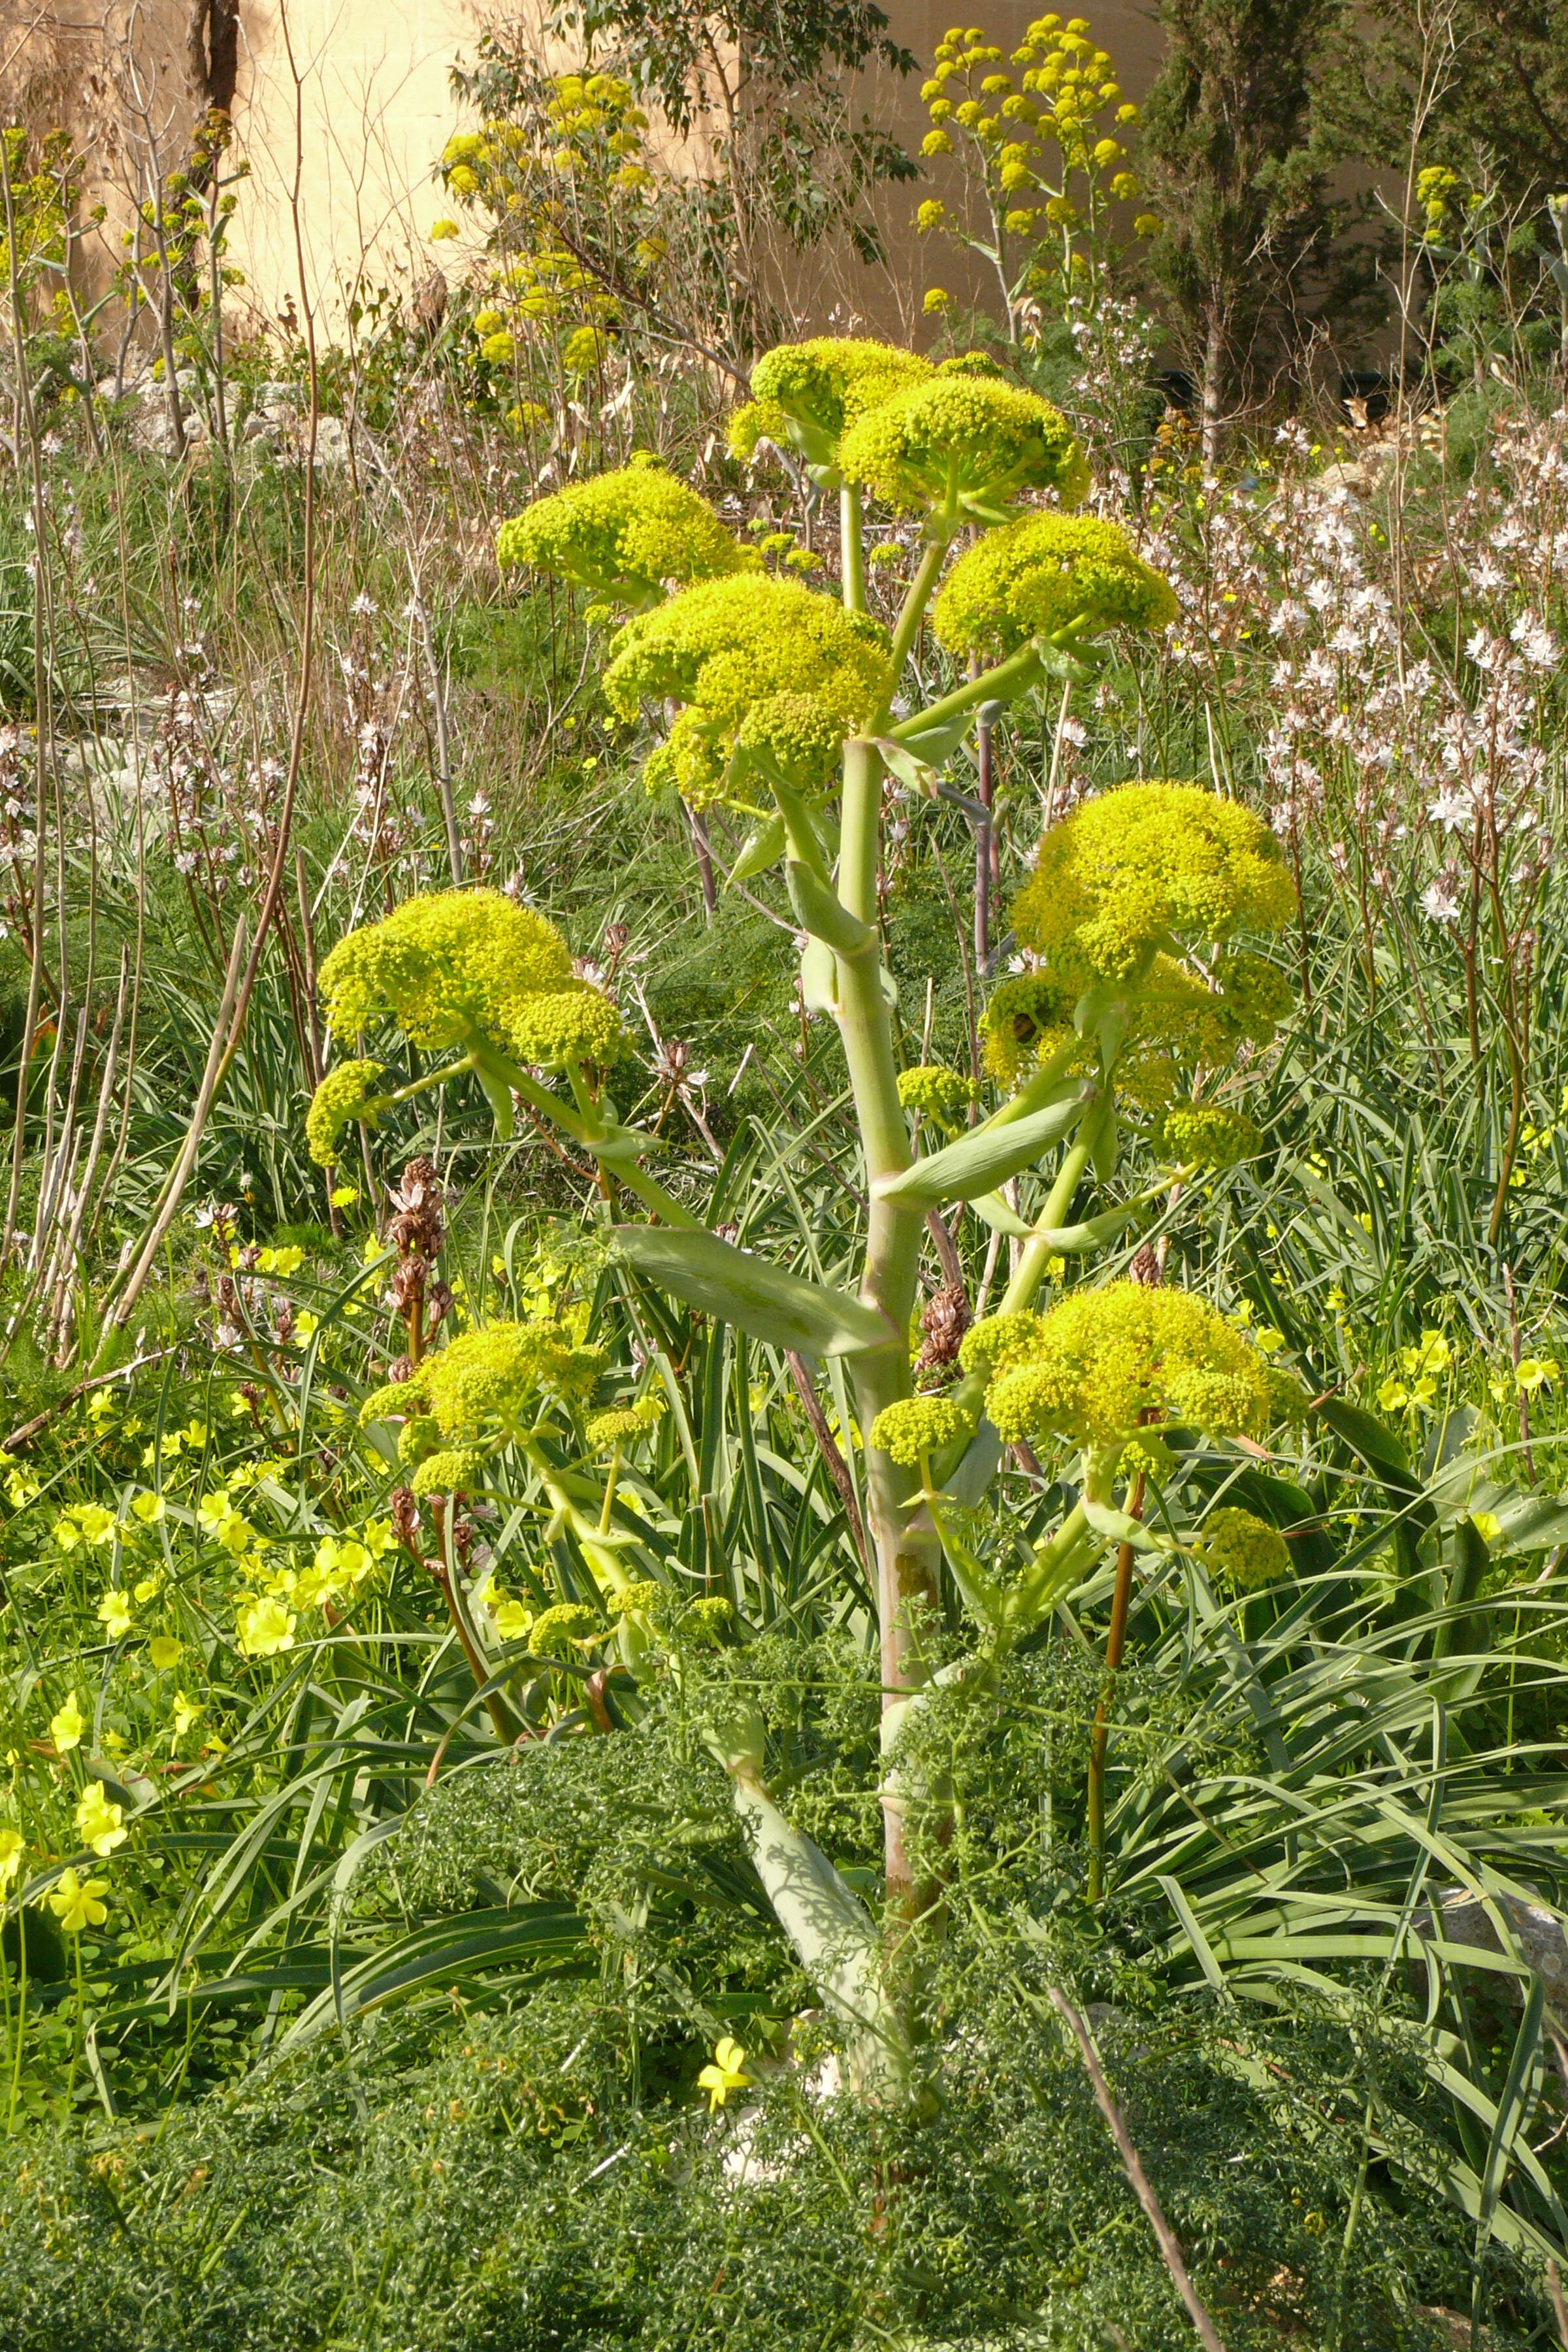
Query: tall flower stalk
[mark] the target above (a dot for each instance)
(784, 708)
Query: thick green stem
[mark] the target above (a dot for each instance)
(1038, 1252)
(851, 547)
(904, 1540)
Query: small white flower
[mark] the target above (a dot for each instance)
(1440, 897)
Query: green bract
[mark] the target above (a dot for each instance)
(464, 968)
(1050, 575)
(807, 394)
(1104, 1363)
(918, 1425)
(625, 535)
(964, 447)
(1128, 873)
(344, 1095)
(759, 662)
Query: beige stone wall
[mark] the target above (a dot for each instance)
(352, 98)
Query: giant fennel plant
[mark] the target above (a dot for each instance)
(1137, 990)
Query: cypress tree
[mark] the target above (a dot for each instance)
(1236, 167)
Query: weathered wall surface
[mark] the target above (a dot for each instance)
(350, 101)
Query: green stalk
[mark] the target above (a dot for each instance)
(1038, 1252)
(598, 1547)
(910, 614)
(21, 2012)
(969, 1393)
(1115, 1637)
(1008, 680)
(81, 2034)
(851, 547)
(904, 1541)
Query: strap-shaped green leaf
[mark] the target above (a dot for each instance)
(987, 1156)
(525, 1935)
(754, 1296)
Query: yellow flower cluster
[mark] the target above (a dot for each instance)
(1238, 1548)
(479, 1393)
(807, 394)
(1103, 1364)
(626, 535)
(556, 1630)
(938, 1094)
(1212, 1134)
(1060, 101)
(460, 967)
(623, 1424)
(1051, 575)
(347, 1093)
(919, 1425)
(1128, 873)
(961, 447)
(760, 664)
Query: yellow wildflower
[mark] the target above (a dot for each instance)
(74, 1902)
(726, 2074)
(100, 1824)
(67, 1727)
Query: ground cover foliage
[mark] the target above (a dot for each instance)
(556, 1777)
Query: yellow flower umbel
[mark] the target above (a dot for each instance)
(726, 2074)
(447, 968)
(1054, 576)
(463, 969)
(761, 666)
(938, 1094)
(1104, 1366)
(1128, 874)
(1240, 1550)
(916, 1427)
(807, 394)
(961, 450)
(484, 1391)
(628, 536)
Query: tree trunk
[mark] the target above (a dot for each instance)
(1213, 370)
